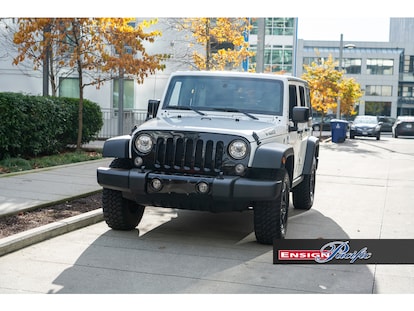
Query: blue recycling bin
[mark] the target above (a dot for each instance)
(338, 130)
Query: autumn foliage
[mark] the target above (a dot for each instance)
(222, 39)
(328, 84)
(96, 49)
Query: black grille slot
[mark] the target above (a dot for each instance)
(189, 154)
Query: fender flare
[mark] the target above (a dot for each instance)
(312, 151)
(117, 147)
(272, 156)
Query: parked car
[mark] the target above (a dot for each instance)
(387, 123)
(218, 142)
(326, 124)
(403, 126)
(368, 126)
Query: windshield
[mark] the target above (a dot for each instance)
(232, 94)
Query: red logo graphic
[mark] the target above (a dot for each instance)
(302, 254)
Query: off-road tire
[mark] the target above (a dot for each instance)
(270, 217)
(304, 193)
(120, 213)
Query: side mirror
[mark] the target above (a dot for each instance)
(152, 109)
(300, 114)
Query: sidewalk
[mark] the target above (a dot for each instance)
(29, 190)
(33, 189)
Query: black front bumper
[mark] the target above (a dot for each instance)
(368, 132)
(180, 191)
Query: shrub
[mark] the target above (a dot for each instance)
(34, 125)
(92, 120)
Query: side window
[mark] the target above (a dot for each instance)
(308, 101)
(302, 96)
(293, 98)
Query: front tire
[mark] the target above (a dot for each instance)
(270, 217)
(120, 213)
(304, 193)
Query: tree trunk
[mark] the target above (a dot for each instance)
(80, 109)
(208, 45)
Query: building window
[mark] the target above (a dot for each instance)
(69, 87)
(378, 108)
(277, 58)
(128, 94)
(379, 66)
(276, 26)
(411, 64)
(408, 65)
(407, 91)
(279, 26)
(352, 65)
(378, 90)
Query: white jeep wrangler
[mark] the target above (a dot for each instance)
(217, 141)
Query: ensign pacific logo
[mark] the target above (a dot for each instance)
(302, 254)
(357, 251)
(330, 251)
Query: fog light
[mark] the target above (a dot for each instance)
(202, 187)
(156, 184)
(138, 161)
(239, 169)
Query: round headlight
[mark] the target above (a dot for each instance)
(143, 143)
(238, 149)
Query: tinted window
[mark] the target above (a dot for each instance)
(262, 96)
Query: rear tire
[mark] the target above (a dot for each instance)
(270, 217)
(304, 193)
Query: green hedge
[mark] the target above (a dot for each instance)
(34, 125)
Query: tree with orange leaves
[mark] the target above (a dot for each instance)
(327, 85)
(222, 41)
(98, 49)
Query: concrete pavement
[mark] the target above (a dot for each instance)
(32, 189)
(364, 190)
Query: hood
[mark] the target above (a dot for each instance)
(236, 125)
(368, 125)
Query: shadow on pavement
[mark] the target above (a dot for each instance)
(178, 252)
(351, 146)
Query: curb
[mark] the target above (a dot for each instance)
(47, 204)
(36, 235)
(50, 168)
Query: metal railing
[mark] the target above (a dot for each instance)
(131, 117)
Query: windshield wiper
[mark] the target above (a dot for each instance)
(236, 110)
(186, 108)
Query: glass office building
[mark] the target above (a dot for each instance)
(280, 44)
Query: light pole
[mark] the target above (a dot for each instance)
(341, 51)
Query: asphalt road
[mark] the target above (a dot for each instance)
(364, 191)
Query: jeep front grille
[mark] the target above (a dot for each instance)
(188, 154)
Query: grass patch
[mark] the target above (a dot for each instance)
(12, 165)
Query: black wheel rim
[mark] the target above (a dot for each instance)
(284, 205)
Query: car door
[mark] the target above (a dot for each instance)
(298, 132)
